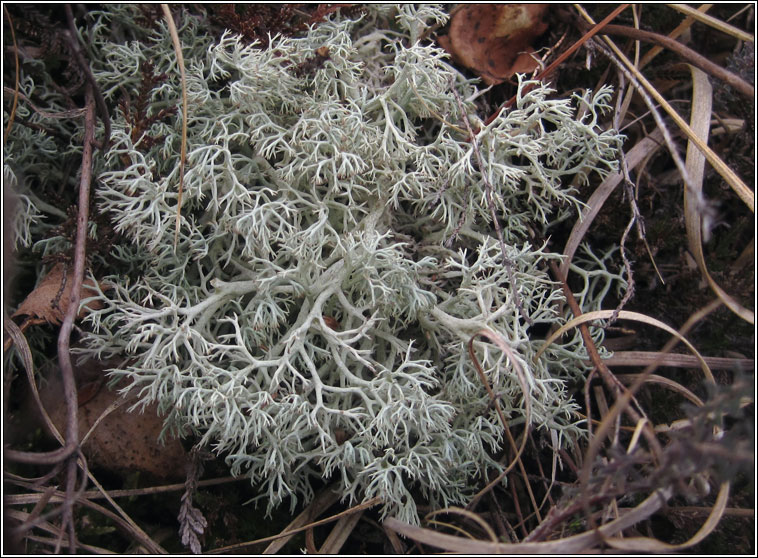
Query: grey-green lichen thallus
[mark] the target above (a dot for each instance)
(336, 254)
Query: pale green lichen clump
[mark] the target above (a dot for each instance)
(336, 254)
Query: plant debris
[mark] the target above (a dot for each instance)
(49, 301)
(495, 40)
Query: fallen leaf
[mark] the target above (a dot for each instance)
(50, 299)
(127, 442)
(494, 40)
(123, 442)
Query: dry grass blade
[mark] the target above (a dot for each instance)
(700, 121)
(625, 99)
(397, 544)
(734, 181)
(139, 534)
(301, 520)
(568, 545)
(42, 501)
(26, 518)
(452, 527)
(128, 525)
(323, 501)
(86, 547)
(675, 360)
(18, 499)
(128, 528)
(180, 61)
(470, 515)
(626, 315)
(703, 510)
(638, 429)
(593, 206)
(688, 55)
(713, 22)
(112, 407)
(693, 320)
(746, 257)
(679, 30)
(655, 379)
(22, 346)
(340, 533)
(647, 544)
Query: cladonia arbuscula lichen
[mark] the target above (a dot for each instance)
(336, 254)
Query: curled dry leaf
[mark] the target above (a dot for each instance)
(50, 299)
(494, 40)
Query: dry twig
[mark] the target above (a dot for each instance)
(491, 205)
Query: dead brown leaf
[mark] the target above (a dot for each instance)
(123, 442)
(494, 40)
(127, 442)
(50, 299)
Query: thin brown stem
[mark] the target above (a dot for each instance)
(70, 449)
(624, 396)
(685, 52)
(102, 108)
(494, 399)
(64, 337)
(491, 205)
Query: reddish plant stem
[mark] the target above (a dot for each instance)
(610, 380)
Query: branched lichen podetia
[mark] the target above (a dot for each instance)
(336, 254)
